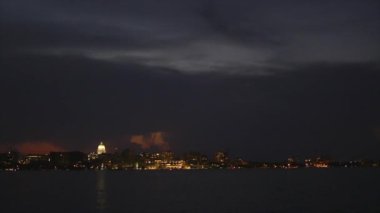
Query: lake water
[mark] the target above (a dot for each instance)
(255, 190)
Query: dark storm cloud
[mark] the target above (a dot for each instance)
(268, 78)
(197, 36)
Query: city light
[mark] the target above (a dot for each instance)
(164, 160)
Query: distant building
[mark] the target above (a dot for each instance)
(196, 160)
(35, 162)
(221, 160)
(101, 149)
(67, 160)
(221, 157)
(92, 156)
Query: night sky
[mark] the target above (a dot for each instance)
(259, 79)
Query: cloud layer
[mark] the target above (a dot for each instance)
(197, 36)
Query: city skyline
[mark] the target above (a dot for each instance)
(127, 159)
(101, 149)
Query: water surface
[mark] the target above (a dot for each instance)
(256, 190)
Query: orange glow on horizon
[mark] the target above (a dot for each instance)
(38, 147)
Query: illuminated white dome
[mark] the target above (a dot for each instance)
(101, 149)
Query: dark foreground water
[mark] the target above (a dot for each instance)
(303, 190)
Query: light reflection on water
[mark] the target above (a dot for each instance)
(101, 192)
(224, 191)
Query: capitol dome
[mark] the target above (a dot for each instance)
(101, 149)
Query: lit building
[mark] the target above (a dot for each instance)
(221, 160)
(92, 156)
(221, 157)
(101, 149)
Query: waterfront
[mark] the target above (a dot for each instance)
(254, 190)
